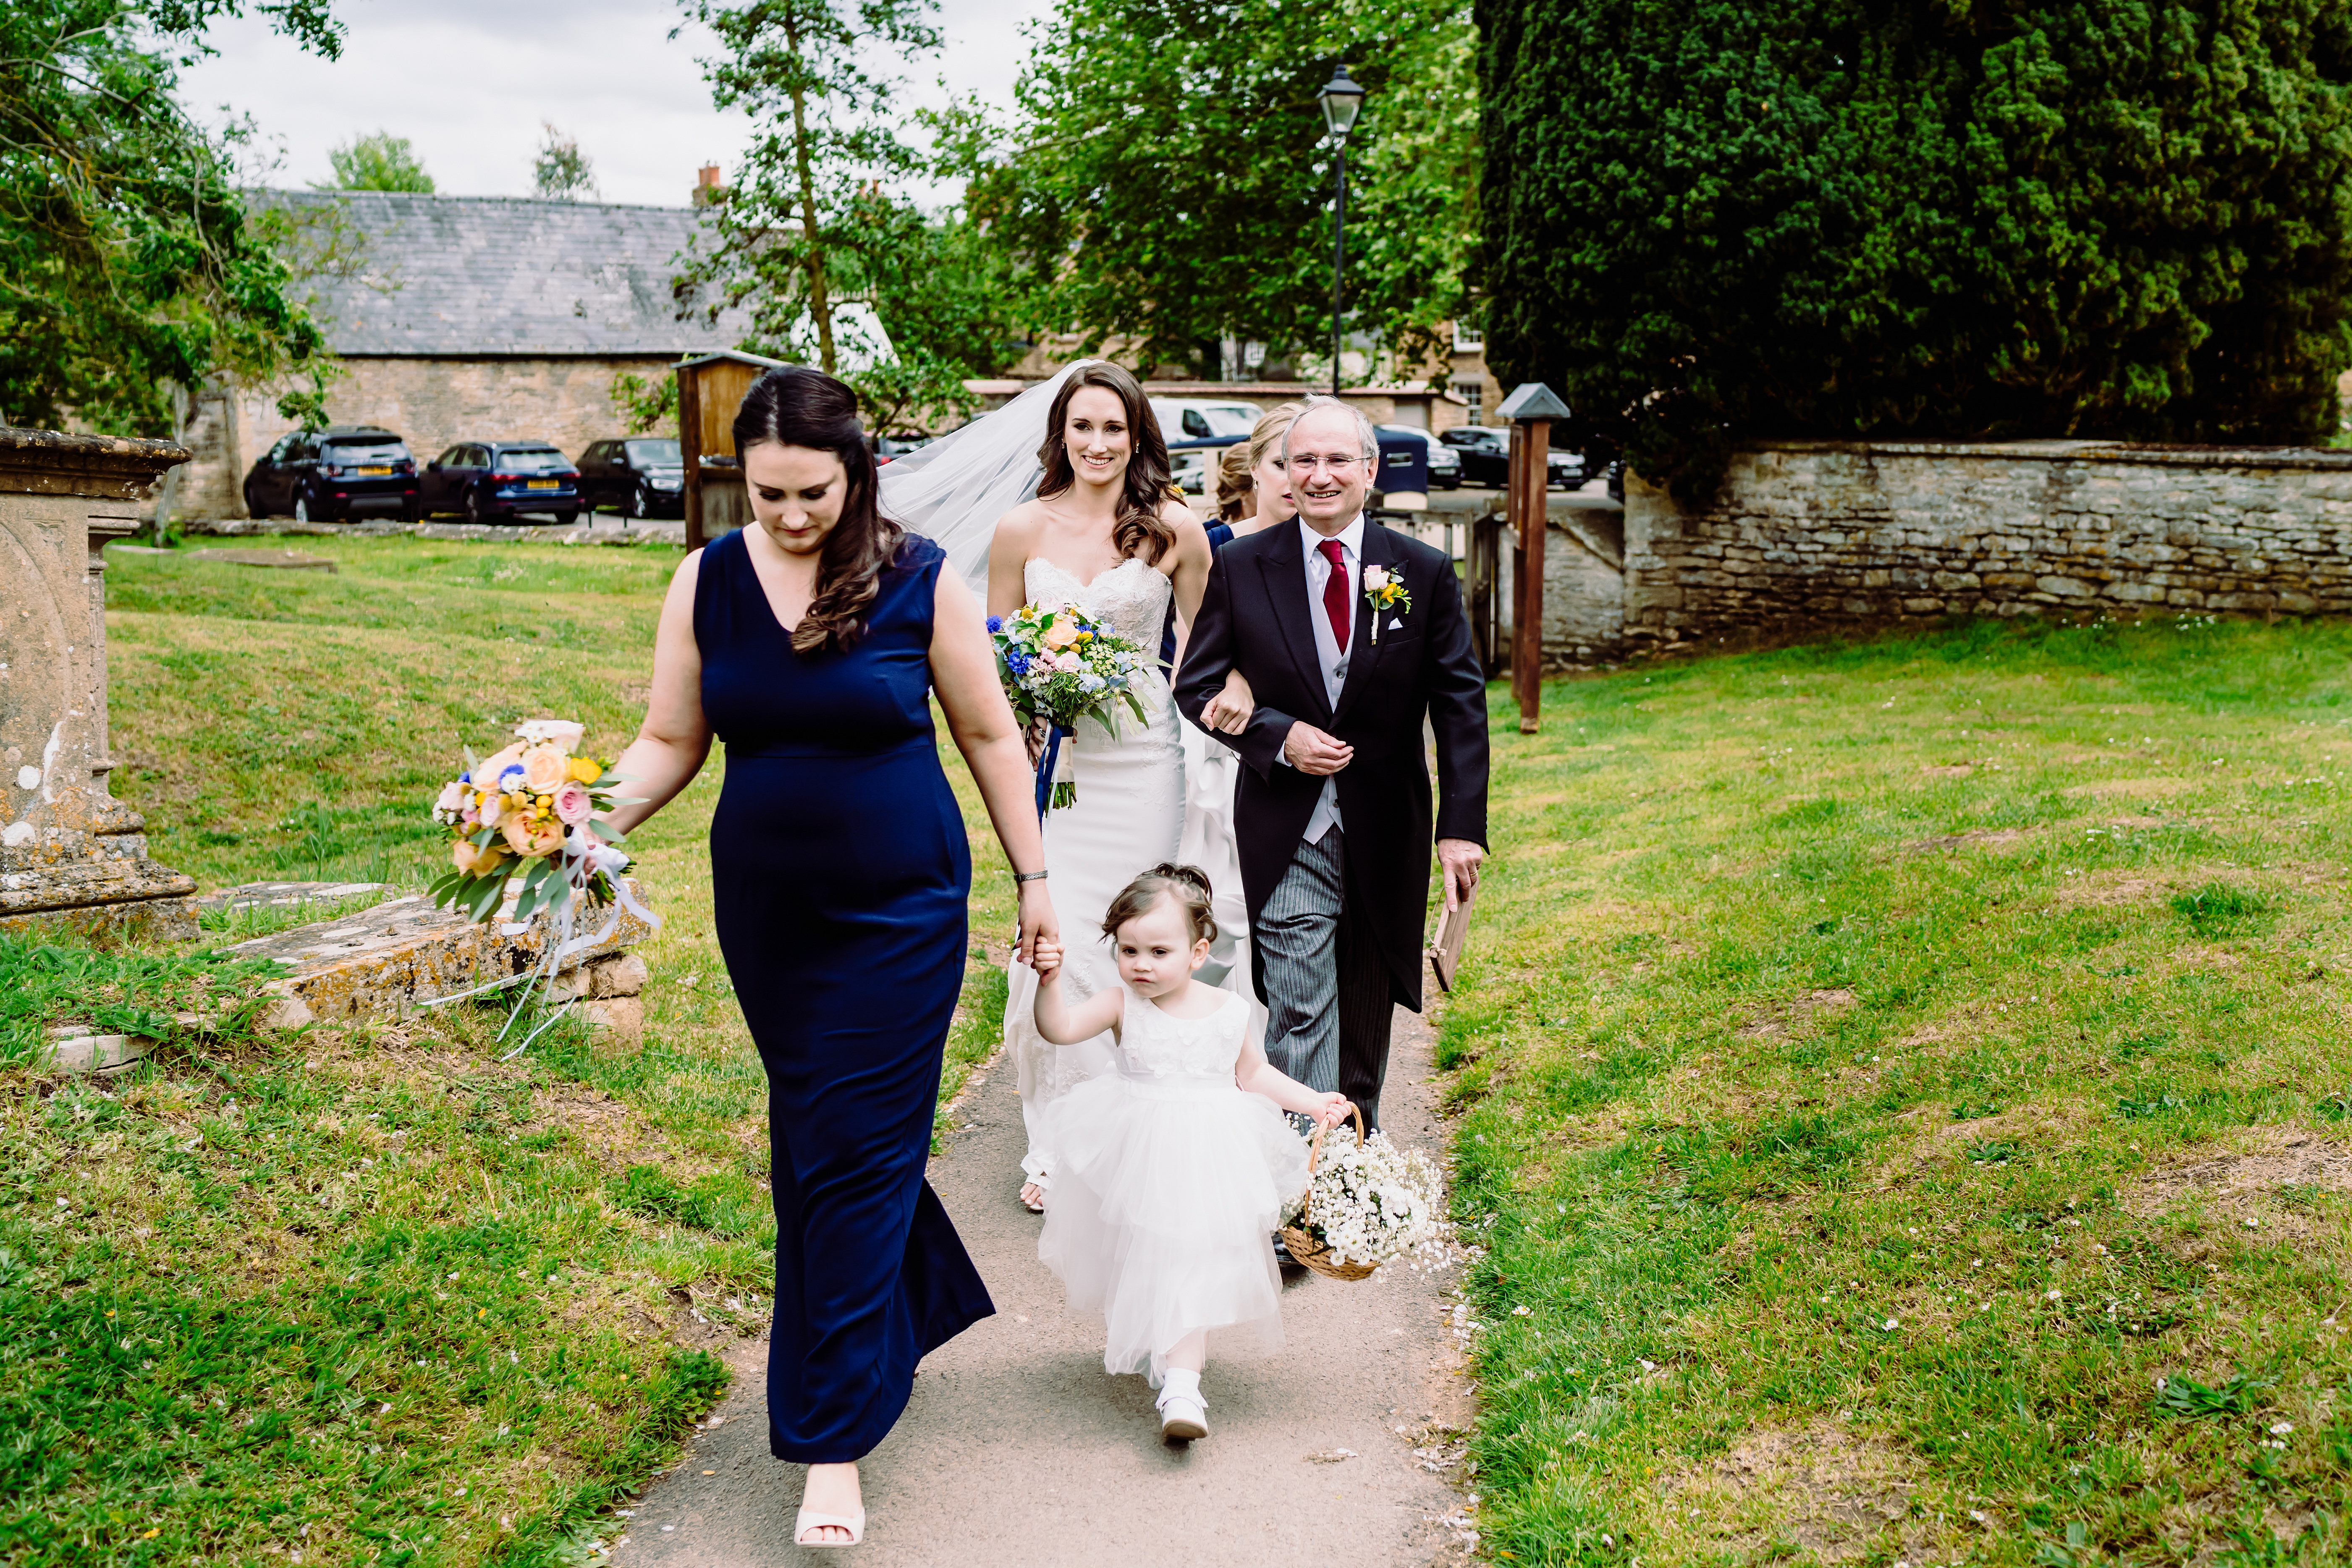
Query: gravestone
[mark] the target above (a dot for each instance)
(71, 855)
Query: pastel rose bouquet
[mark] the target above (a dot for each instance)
(535, 810)
(1374, 1203)
(1059, 664)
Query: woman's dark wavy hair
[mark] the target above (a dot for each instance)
(793, 405)
(1139, 526)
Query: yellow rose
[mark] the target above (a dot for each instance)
(545, 767)
(1060, 634)
(476, 862)
(587, 769)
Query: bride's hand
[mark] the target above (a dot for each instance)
(1229, 710)
(1037, 922)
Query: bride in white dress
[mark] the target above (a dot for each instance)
(1104, 533)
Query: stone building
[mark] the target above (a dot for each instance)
(462, 318)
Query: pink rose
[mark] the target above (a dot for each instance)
(572, 802)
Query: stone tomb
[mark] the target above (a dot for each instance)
(72, 858)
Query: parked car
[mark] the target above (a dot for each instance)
(888, 446)
(502, 480)
(333, 474)
(639, 476)
(1445, 462)
(1485, 454)
(1221, 422)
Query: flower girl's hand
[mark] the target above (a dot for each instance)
(1046, 960)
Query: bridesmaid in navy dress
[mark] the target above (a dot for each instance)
(810, 644)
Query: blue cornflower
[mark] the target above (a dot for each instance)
(995, 625)
(1016, 661)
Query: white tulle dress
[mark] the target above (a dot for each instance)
(1172, 1182)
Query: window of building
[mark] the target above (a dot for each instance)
(1468, 340)
(1472, 393)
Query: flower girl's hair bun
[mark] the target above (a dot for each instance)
(1188, 885)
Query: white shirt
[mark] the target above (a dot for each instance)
(1327, 646)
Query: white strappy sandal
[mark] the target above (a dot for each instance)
(854, 1523)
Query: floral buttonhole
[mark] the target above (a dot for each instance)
(1385, 590)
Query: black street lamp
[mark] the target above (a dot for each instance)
(1340, 99)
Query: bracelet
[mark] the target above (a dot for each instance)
(1028, 876)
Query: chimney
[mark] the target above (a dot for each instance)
(706, 188)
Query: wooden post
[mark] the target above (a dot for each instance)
(1530, 443)
(1531, 407)
(690, 449)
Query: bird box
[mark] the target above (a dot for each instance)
(709, 390)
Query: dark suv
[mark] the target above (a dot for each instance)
(643, 476)
(1485, 454)
(337, 473)
(503, 480)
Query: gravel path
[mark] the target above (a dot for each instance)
(1018, 1449)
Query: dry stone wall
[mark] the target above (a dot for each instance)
(1806, 537)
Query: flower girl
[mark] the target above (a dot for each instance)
(1175, 1167)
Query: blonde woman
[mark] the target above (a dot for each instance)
(1210, 768)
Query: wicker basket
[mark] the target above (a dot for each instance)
(1299, 1236)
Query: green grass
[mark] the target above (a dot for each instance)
(372, 1294)
(1904, 1095)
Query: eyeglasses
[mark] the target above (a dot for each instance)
(1307, 463)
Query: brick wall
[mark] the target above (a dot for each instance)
(1825, 536)
(432, 403)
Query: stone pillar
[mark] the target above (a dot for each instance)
(72, 858)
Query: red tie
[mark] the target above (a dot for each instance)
(1335, 592)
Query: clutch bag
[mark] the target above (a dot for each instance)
(1452, 926)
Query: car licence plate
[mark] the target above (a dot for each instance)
(543, 484)
(375, 471)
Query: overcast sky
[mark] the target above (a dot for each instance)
(469, 83)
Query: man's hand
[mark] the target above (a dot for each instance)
(1461, 857)
(1310, 750)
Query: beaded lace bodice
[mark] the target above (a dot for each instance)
(1131, 598)
(1154, 1045)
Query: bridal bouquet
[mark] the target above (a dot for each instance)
(1060, 666)
(533, 811)
(1367, 1203)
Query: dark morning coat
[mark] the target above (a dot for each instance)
(1254, 616)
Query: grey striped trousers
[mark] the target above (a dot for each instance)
(1327, 992)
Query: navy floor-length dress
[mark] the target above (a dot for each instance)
(839, 876)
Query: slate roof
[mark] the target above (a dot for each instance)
(461, 277)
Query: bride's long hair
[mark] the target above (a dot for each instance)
(1139, 527)
(793, 405)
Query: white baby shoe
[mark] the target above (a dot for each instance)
(1184, 1413)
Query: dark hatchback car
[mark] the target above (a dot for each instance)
(643, 476)
(501, 480)
(340, 472)
(1485, 453)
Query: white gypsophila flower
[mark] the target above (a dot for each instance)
(1375, 1203)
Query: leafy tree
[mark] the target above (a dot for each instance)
(562, 169)
(379, 163)
(1167, 180)
(814, 236)
(2115, 218)
(130, 264)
